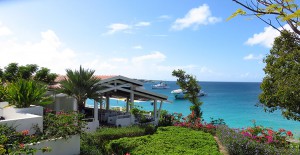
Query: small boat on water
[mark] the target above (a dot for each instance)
(179, 93)
(161, 85)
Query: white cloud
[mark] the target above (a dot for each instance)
(152, 58)
(141, 24)
(137, 47)
(205, 69)
(4, 31)
(253, 57)
(118, 27)
(50, 37)
(48, 52)
(125, 28)
(195, 17)
(159, 35)
(265, 38)
(245, 75)
(164, 17)
(119, 60)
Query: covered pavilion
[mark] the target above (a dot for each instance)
(126, 88)
(123, 87)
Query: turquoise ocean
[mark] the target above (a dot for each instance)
(232, 101)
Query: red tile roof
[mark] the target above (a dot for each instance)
(102, 77)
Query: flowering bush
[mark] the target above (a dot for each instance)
(62, 124)
(55, 125)
(266, 135)
(195, 123)
(239, 142)
(12, 142)
(167, 119)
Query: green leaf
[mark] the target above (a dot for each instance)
(273, 8)
(236, 13)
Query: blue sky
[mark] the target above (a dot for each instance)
(138, 39)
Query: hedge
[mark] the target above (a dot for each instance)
(237, 144)
(167, 140)
(94, 143)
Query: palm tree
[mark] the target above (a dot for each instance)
(81, 85)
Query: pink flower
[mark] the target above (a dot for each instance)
(21, 145)
(270, 132)
(25, 132)
(48, 110)
(281, 130)
(270, 139)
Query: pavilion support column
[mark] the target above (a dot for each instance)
(107, 101)
(57, 105)
(127, 104)
(131, 100)
(75, 105)
(159, 110)
(96, 111)
(155, 110)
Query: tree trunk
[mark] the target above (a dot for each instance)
(81, 106)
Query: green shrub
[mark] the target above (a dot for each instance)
(23, 93)
(63, 124)
(94, 143)
(12, 142)
(167, 140)
(236, 144)
(165, 118)
(150, 129)
(1, 92)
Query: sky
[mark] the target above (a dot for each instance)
(138, 39)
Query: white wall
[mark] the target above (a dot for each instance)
(24, 122)
(2, 105)
(123, 122)
(36, 110)
(63, 102)
(69, 146)
(91, 126)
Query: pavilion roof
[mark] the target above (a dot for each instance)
(120, 87)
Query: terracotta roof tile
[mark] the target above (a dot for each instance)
(102, 77)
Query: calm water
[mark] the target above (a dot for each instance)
(232, 101)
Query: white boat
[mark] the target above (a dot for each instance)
(161, 85)
(179, 93)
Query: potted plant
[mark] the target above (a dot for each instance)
(26, 94)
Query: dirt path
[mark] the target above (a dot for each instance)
(222, 149)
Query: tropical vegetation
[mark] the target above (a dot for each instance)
(189, 84)
(54, 126)
(23, 93)
(13, 72)
(281, 85)
(282, 11)
(257, 140)
(81, 84)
